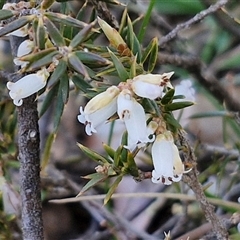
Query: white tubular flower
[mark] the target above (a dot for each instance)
(151, 85)
(133, 115)
(20, 63)
(27, 86)
(25, 47)
(99, 109)
(168, 166)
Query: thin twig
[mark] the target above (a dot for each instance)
(104, 13)
(198, 233)
(198, 17)
(218, 228)
(207, 79)
(120, 223)
(225, 20)
(28, 141)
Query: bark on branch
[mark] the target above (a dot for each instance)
(28, 142)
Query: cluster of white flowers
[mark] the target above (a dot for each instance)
(31, 83)
(122, 99)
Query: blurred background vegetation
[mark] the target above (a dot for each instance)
(209, 47)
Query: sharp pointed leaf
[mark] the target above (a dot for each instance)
(22, 21)
(93, 155)
(58, 72)
(5, 14)
(40, 34)
(92, 59)
(177, 105)
(132, 168)
(110, 151)
(58, 109)
(65, 20)
(81, 83)
(168, 97)
(75, 63)
(47, 150)
(133, 41)
(54, 33)
(112, 189)
(49, 98)
(43, 62)
(152, 45)
(122, 73)
(78, 39)
(64, 86)
(95, 179)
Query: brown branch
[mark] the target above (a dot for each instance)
(205, 77)
(225, 20)
(29, 157)
(199, 232)
(218, 228)
(28, 141)
(104, 13)
(197, 18)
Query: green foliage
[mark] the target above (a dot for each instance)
(22, 21)
(179, 7)
(72, 51)
(5, 14)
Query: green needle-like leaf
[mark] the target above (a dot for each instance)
(58, 72)
(49, 98)
(152, 45)
(40, 34)
(132, 168)
(65, 20)
(168, 97)
(58, 109)
(110, 151)
(177, 105)
(112, 189)
(22, 21)
(122, 73)
(94, 155)
(81, 83)
(95, 179)
(153, 56)
(78, 39)
(146, 19)
(133, 41)
(54, 33)
(92, 59)
(64, 86)
(47, 150)
(75, 63)
(5, 14)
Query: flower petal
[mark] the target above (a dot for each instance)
(99, 109)
(162, 156)
(147, 90)
(25, 47)
(27, 86)
(151, 85)
(133, 115)
(168, 166)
